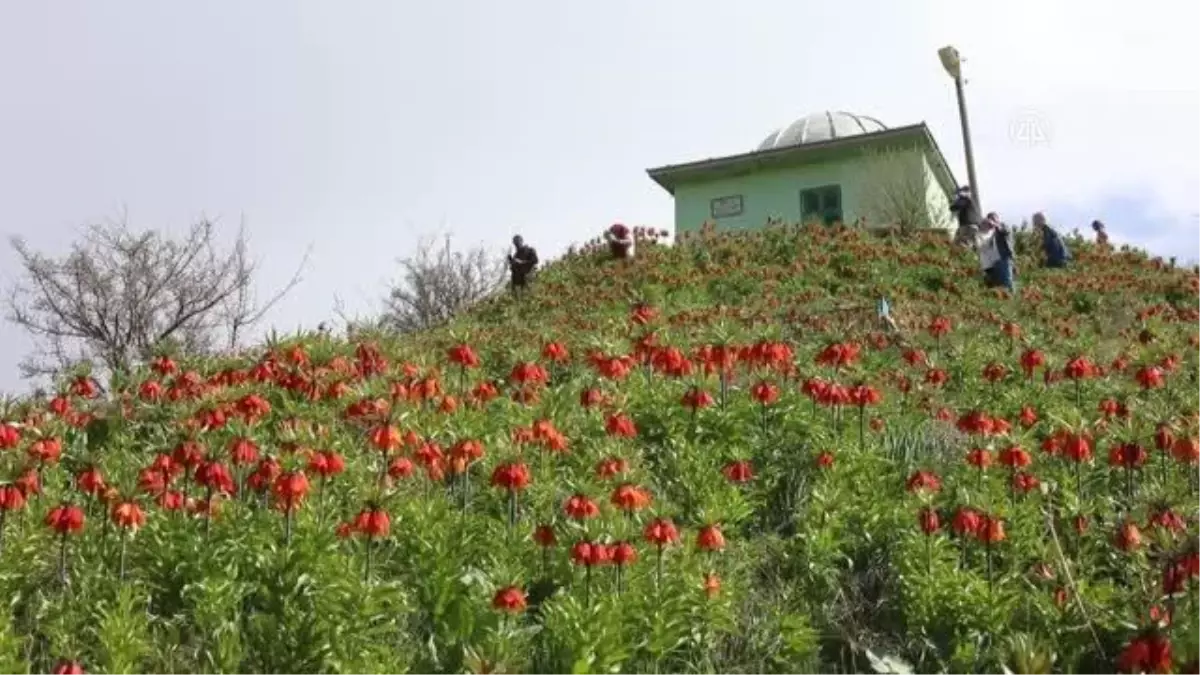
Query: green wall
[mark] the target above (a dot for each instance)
(775, 192)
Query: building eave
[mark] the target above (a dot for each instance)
(672, 175)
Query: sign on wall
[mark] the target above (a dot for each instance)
(727, 207)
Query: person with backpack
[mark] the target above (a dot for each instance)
(1055, 249)
(522, 263)
(620, 241)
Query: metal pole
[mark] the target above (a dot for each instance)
(966, 132)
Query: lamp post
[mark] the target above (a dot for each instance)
(952, 62)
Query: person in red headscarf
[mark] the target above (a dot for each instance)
(620, 241)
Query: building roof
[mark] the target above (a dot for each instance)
(804, 152)
(822, 126)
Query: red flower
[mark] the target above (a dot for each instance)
(11, 498)
(611, 466)
(1128, 536)
(1146, 653)
(513, 476)
(979, 458)
(936, 377)
(764, 392)
(10, 436)
(966, 521)
(928, 519)
(373, 522)
(923, 481)
(45, 450)
(463, 356)
(740, 471)
(620, 426)
(1015, 457)
(589, 554)
(990, 530)
(128, 515)
(214, 476)
(68, 667)
(661, 532)
(290, 489)
(939, 326)
(544, 536)
(824, 459)
(1079, 368)
(863, 396)
(1028, 417)
(630, 498)
(622, 553)
(1078, 447)
(709, 538)
(697, 398)
(529, 374)
(1031, 360)
(65, 519)
(386, 438)
(1127, 455)
(591, 397)
(90, 481)
(556, 352)
(326, 463)
(839, 355)
(994, 372)
(1186, 450)
(580, 507)
(242, 451)
(1150, 377)
(1024, 482)
(510, 600)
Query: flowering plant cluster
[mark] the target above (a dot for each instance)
(695, 462)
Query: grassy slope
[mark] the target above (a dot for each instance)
(821, 564)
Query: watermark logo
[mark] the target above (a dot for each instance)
(1030, 128)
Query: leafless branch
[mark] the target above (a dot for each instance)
(438, 282)
(119, 295)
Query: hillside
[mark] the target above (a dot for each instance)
(707, 459)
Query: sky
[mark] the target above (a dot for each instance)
(354, 129)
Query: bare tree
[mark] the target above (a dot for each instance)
(897, 191)
(438, 282)
(120, 295)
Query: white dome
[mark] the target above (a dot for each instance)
(822, 126)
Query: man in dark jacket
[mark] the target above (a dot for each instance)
(1057, 254)
(521, 263)
(966, 211)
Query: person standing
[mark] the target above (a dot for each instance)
(967, 212)
(997, 264)
(522, 263)
(1101, 235)
(1055, 249)
(620, 241)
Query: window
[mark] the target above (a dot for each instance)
(727, 207)
(823, 204)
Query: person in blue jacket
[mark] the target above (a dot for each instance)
(1055, 249)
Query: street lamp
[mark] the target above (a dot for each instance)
(952, 62)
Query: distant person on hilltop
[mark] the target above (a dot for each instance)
(620, 241)
(521, 263)
(1101, 234)
(965, 209)
(1053, 246)
(995, 252)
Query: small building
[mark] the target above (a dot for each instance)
(825, 167)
